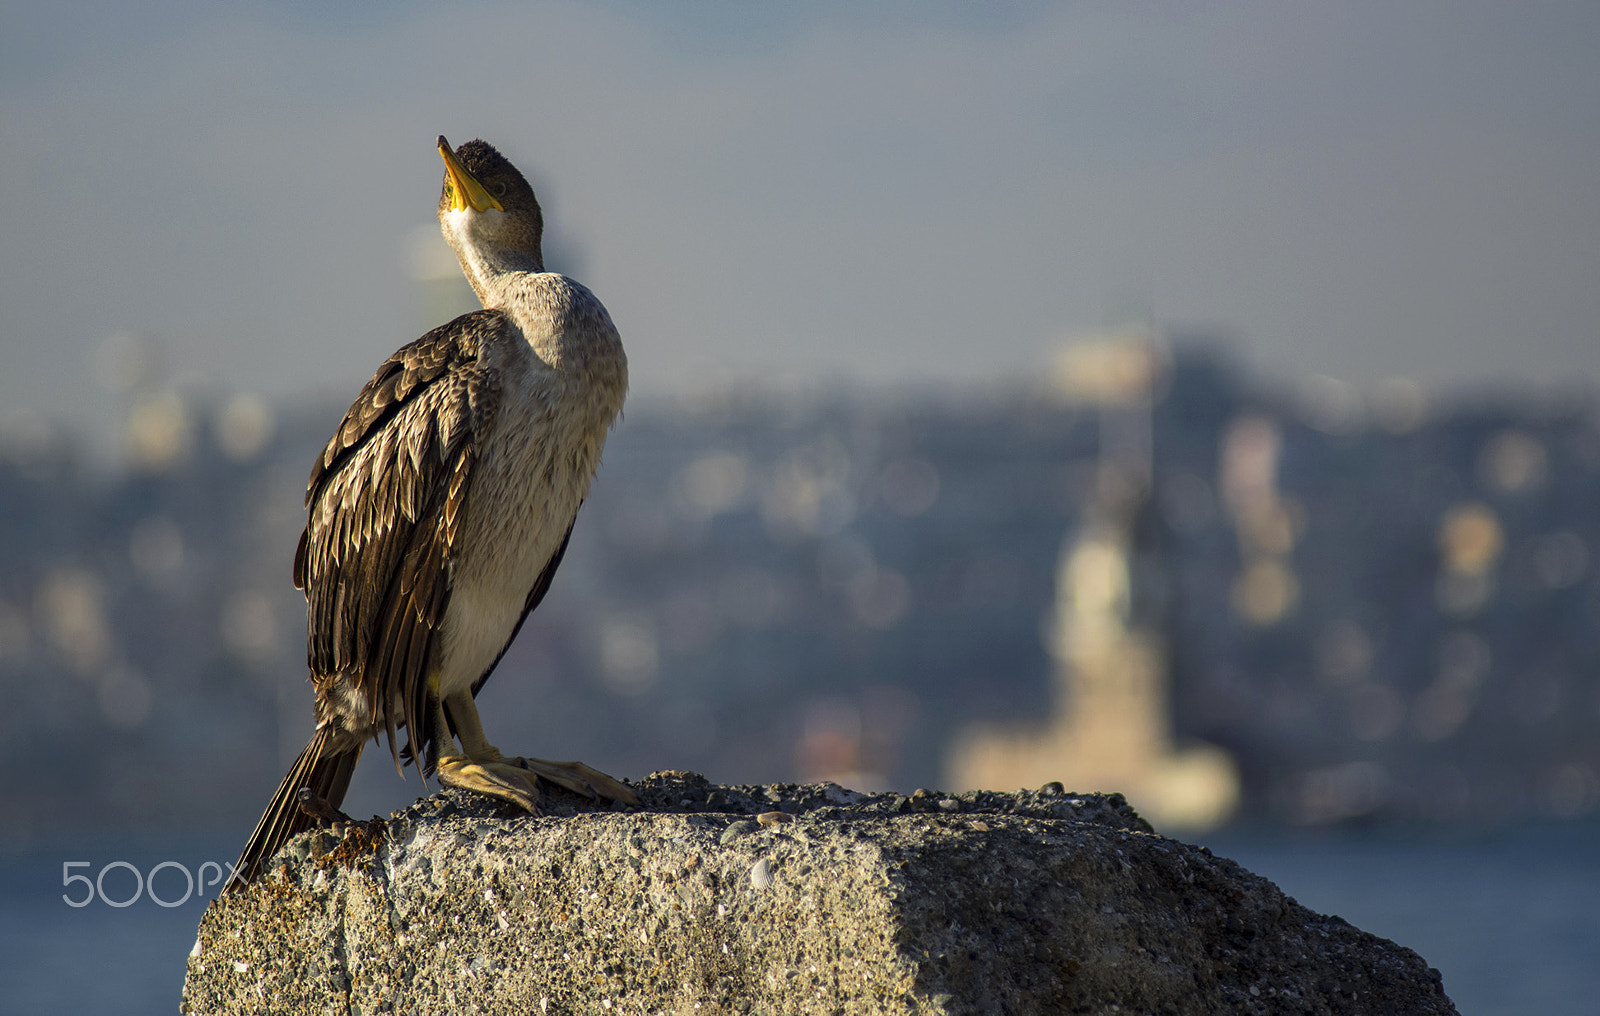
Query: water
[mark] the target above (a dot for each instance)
(1511, 919)
(101, 958)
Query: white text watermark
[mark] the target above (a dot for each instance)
(127, 884)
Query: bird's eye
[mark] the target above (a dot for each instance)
(498, 188)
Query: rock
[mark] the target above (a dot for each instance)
(1032, 902)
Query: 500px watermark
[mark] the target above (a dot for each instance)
(175, 876)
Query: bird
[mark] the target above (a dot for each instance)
(440, 509)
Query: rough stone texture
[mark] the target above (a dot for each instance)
(705, 901)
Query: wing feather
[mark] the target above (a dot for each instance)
(385, 500)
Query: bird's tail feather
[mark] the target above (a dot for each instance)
(325, 766)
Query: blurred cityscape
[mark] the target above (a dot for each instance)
(1145, 570)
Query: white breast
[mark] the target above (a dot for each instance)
(561, 389)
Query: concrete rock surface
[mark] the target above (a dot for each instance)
(781, 899)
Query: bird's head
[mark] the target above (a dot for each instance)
(486, 206)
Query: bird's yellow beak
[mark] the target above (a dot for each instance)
(464, 189)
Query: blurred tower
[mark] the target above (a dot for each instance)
(1110, 729)
(158, 429)
(442, 292)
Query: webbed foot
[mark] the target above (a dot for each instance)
(495, 777)
(579, 778)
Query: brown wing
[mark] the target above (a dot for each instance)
(385, 502)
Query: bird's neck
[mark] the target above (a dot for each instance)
(497, 274)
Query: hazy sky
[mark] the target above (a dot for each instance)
(904, 191)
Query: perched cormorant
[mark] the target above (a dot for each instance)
(441, 507)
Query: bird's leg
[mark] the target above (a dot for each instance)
(480, 767)
(575, 776)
